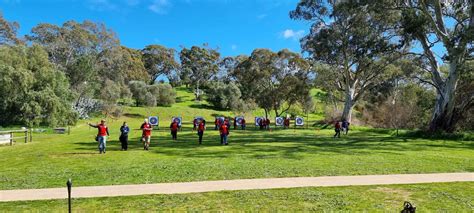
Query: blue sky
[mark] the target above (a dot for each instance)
(234, 26)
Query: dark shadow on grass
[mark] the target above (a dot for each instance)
(133, 115)
(206, 106)
(258, 144)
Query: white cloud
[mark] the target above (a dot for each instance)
(101, 5)
(233, 47)
(262, 16)
(160, 6)
(289, 33)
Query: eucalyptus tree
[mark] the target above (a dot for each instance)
(32, 90)
(8, 31)
(355, 43)
(198, 66)
(274, 81)
(449, 26)
(159, 60)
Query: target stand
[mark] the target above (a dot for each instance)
(154, 121)
(279, 122)
(179, 120)
(257, 121)
(299, 122)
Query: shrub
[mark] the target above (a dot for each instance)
(152, 95)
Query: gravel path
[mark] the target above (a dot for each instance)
(222, 185)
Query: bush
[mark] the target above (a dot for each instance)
(224, 96)
(152, 95)
(32, 91)
(166, 95)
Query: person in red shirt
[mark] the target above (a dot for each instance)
(146, 134)
(216, 123)
(174, 129)
(337, 129)
(286, 123)
(243, 123)
(224, 131)
(200, 129)
(103, 132)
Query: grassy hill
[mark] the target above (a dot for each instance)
(51, 159)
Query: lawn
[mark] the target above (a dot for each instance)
(52, 158)
(440, 197)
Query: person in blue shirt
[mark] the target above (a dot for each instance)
(124, 130)
(345, 126)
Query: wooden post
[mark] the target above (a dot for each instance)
(31, 135)
(11, 138)
(26, 135)
(68, 130)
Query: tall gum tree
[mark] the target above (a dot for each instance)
(275, 81)
(159, 60)
(353, 41)
(450, 24)
(198, 66)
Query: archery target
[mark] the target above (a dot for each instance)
(153, 120)
(198, 119)
(238, 120)
(177, 119)
(220, 119)
(299, 121)
(279, 121)
(257, 120)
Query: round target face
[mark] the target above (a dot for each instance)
(299, 121)
(177, 120)
(198, 119)
(153, 120)
(257, 121)
(238, 120)
(221, 119)
(279, 121)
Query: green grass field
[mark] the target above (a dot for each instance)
(441, 197)
(51, 159)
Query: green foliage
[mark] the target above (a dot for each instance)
(152, 95)
(32, 91)
(166, 95)
(198, 66)
(224, 96)
(356, 48)
(110, 91)
(8, 31)
(159, 60)
(275, 81)
(133, 66)
(139, 91)
(407, 106)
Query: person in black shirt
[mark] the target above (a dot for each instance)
(124, 130)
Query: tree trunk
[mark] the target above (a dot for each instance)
(348, 105)
(443, 114)
(196, 93)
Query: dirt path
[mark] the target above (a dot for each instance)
(222, 185)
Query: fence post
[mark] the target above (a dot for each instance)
(11, 138)
(31, 135)
(69, 186)
(26, 135)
